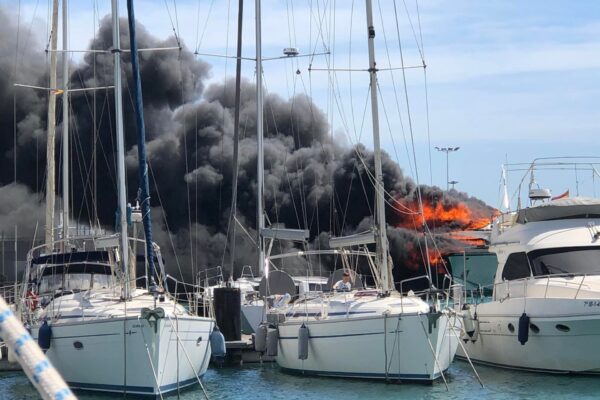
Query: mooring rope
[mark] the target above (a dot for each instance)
(36, 366)
(433, 353)
(188, 358)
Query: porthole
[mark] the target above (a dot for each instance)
(78, 345)
(562, 328)
(511, 328)
(534, 328)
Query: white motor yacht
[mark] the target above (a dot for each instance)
(544, 314)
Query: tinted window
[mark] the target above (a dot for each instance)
(566, 260)
(516, 267)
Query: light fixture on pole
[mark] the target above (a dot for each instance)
(453, 183)
(447, 150)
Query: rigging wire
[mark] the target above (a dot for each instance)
(403, 130)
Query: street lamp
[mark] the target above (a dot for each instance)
(453, 183)
(447, 150)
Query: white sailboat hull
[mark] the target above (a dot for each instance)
(127, 355)
(380, 347)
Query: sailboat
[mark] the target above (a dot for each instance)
(363, 333)
(102, 327)
(252, 310)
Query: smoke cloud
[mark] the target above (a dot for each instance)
(312, 180)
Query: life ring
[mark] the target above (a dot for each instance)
(32, 300)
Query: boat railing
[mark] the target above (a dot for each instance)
(210, 276)
(415, 278)
(8, 293)
(245, 274)
(191, 292)
(526, 284)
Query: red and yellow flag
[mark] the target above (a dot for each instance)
(561, 196)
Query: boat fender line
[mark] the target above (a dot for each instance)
(217, 343)
(303, 336)
(260, 338)
(272, 341)
(44, 377)
(523, 328)
(44, 336)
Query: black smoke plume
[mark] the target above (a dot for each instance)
(312, 179)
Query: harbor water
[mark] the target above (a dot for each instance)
(267, 382)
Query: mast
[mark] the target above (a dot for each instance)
(236, 133)
(65, 127)
(120, 149)
(387, 281)
(144, 189)
(50, 180)
(260, 168)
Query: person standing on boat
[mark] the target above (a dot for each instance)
(343, 285)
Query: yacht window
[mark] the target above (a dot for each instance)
(566, 260)
(77, 281)
(76, 276)
(101, 281)
(50, 283)
(516, 267)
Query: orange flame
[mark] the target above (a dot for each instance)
(456, 216)
(454, 219)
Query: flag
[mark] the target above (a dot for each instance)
(505, 201)
(561, 196)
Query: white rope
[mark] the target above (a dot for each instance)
(466, 354)
(433, 353)
(38, 369)
(154, 374)
(188, 358)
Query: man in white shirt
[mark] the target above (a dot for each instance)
(344, 284)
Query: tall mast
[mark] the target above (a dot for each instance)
(141, 142)
(236, 133)
(387, 281)
(51, 180)
(120, 148)
(65, 127)
(260, 168)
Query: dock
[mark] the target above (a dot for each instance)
(242, 351)
(6, 366)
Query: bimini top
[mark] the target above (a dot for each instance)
(576, 207)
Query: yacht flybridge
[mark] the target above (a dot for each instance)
(544, 314)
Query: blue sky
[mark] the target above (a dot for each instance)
(507, 80)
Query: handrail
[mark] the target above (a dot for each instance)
(531, 281)
(301, 253)
(416, 278)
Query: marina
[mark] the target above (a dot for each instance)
(255, 382)
(182, 222)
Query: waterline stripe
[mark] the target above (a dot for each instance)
(421, 377)
(131, 389)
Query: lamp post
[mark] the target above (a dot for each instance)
(453, 183)
(447, 150)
